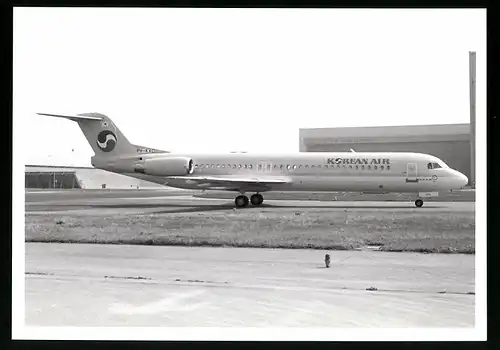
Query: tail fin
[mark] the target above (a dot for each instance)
(102, 134)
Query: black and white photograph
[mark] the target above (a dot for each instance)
(249, 173)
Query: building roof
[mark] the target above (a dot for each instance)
(30, 169)
(400, 130)
(58, 166)
(403, 133)
(49, 172)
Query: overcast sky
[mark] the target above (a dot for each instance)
(223, 79)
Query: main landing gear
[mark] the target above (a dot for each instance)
(419, 203)
(242, 200)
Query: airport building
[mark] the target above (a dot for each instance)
(453, 143)
(45, 176)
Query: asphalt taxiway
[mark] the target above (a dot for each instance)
(116, 202)
(119, 285)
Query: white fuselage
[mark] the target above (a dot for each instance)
(355, 172)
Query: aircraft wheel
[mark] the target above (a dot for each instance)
(419, 203)
(257, 199)
(261, 199)
(241, 201)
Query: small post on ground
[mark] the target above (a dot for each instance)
(327, 260)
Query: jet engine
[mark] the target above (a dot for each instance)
(166, 166)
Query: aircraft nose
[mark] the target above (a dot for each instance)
(463, 179)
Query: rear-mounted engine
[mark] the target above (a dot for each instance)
(166, 166)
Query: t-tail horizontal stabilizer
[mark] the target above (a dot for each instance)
(102, 134)
(72, 117)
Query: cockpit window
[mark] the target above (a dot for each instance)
(433, 165)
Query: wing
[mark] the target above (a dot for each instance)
(228, 183)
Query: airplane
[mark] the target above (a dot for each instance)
(363, 172)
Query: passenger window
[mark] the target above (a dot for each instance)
(357, 167)
(375, 167)
(388, 167)
(288, 166)
(239, 166)
(369, 167)
(381, 167)
(362, 167)
(234, 166)
(222, 166)
(350, 166)
(294, 167)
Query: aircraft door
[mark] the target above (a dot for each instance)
(411, 172)
(264, 167)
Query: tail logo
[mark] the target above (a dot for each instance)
(106, 141)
